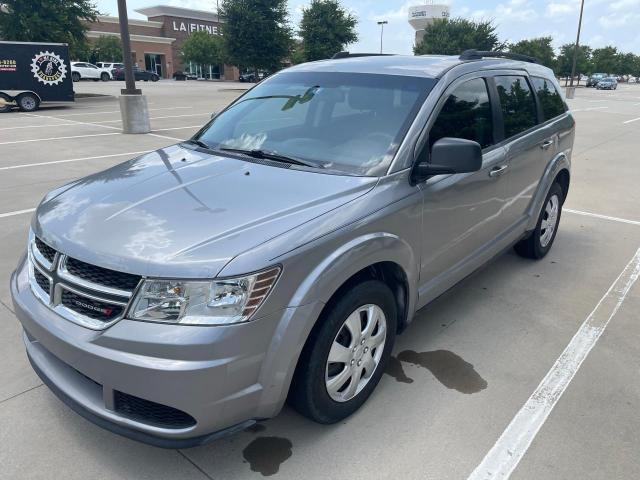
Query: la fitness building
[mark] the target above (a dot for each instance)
(156, 42)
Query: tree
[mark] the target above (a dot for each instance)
(605, 60)
(565, 60)
(539, 48)
(46, 20)
(202, 48)
(627, 63)
(326, 28)
(107, 48)
(256, 33)
(453, 36)
(297, 52)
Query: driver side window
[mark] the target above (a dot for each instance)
(465, 114)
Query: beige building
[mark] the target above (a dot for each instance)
(156, 42)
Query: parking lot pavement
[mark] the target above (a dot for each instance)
(461, 374)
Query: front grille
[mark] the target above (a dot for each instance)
(96, 309)
(102, 276)
(152, 413)
(46, 251)
(41, 280)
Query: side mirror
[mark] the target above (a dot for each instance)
(448, 155)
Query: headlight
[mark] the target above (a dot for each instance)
(217, 302)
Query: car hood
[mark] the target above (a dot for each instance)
(185, 213)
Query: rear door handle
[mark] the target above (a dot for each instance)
(546, 144)
(497, 171)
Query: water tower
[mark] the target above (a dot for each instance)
(423, 15)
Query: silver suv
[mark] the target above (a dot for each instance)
(187, 293)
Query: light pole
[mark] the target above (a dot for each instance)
(575, 49)
(133, 105)
(382, 23)
(130, 82)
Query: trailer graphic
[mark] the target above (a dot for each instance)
(32, 73)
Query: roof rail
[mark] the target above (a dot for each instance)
(480, 54)
(352, 55)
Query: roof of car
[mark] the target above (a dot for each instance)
(433, 66)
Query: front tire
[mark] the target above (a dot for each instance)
(155, 78)
(75, 76)
(6, 103)
(539, 242)
(345, 355)
(104, 77)
(28, 102)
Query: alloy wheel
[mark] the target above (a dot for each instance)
(549, 220)
(356, 352)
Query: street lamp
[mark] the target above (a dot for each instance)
(575, 49)
(133, 105)
(382, 24)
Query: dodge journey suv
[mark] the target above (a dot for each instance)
(189, 292)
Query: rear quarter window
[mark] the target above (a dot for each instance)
(517, 104)
(549, 98)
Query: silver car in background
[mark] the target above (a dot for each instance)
(189, 292)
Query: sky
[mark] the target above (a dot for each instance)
(605, 22)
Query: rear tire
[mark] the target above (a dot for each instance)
(105, 77)
(28, 102)
(6, 103)
(539, 242)
(338, 369)
(155, 78)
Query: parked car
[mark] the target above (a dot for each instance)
(251, 77)
(595, 78)
(109, 65)
(88, 71)
(608, 83)
(187, 293)
(138, 73)
(181, 76)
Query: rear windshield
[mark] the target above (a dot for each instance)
(351, 122)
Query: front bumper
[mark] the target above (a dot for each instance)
(214, 375)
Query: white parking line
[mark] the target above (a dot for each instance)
(632, 120)
(118, 128)
(27, 165)
(164, 116)
(604, 217)
(17, 212)
(586, 109)
(514, 442)
(176, 128)
(59, 138)
(110, 111)
(38, 126)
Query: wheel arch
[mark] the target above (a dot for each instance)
(16, 97)
(383, 256)
(558, 169)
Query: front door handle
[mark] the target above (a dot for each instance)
(546, 144)
(497, 171)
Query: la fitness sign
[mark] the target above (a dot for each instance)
(194, 27)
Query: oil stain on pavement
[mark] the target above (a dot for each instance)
(450, 369)
(266, 454)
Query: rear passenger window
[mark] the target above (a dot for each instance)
(518, 106)
(550, 100)
(465, 114)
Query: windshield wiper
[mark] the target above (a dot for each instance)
(256, 153)
(200, 143)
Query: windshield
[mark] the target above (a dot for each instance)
(349, 122)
